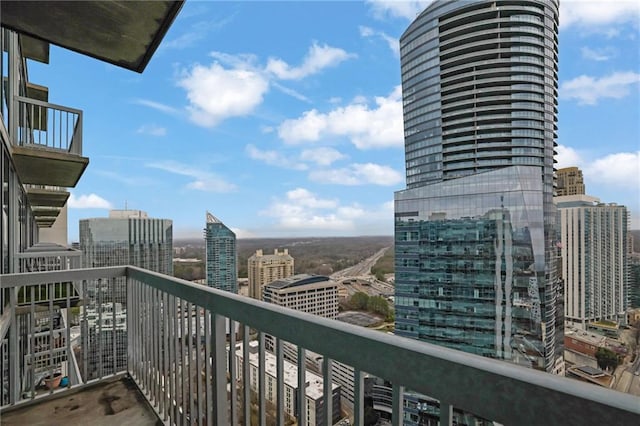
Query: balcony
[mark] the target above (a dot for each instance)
(47, 143)
(171, 337)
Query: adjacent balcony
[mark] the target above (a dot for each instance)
(47, 147)
(171, 339)
(46, 202)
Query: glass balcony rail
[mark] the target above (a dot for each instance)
(173, 338)
(46, 125)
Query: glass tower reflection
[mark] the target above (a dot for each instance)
(475, 229)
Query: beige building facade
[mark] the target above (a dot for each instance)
(570, 182)
(263, 269)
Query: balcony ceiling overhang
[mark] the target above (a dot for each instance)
(46, 197)
(123, 33)
(35, 49)
(45, 222)
(45, 212)
(39, 166)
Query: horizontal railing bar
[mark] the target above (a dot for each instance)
(495, 390)
(48, 105)
(36, 278)
(499, 391)
(46, 254)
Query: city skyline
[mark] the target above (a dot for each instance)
(310, 143)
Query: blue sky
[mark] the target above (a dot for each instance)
(284, 118)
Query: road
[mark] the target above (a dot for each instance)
(362, 268)
(361, 273)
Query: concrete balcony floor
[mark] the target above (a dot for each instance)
(106, 403)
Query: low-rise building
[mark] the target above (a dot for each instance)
(314, 399)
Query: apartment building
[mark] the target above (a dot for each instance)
(570, 182)
(314, 394)
(265, 268)
(595, 260)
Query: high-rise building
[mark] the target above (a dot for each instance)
(595, 260)
(263, 269)
(475, 230)
(221, 256)
(570, 182)
(126, 237)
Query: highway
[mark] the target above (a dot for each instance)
(361, 273)
(362, 268)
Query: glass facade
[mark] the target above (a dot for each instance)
(143, 242)
(475, 230)
(471, 270)
(221, 256)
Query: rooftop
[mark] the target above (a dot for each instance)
(297, 280)
(314, 382)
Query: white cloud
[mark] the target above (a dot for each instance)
(216, 93)
(322, 156)
(157, 106)
(303, 210)
(567, 157)
(407, 9)
(392, 42)
(202, 180)
(152, 129)
(602, 54)
(318, 57)
(289, 91)
(588, 90)
(620, 169)
(591, 13)
(267, 129)
(273, 158)
(91, 201)
(358, 174)
(366, 127)
(235, 85)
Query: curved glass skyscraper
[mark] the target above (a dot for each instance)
(475, 228)
(480, 88)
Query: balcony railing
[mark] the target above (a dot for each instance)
(46, 125)
(172, 337)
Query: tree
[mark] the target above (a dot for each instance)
(607, 358)
(378, 305)
(359, 301)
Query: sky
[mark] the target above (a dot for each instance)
(284, 119)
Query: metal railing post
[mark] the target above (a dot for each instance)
(218, 341)
(398, 405)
